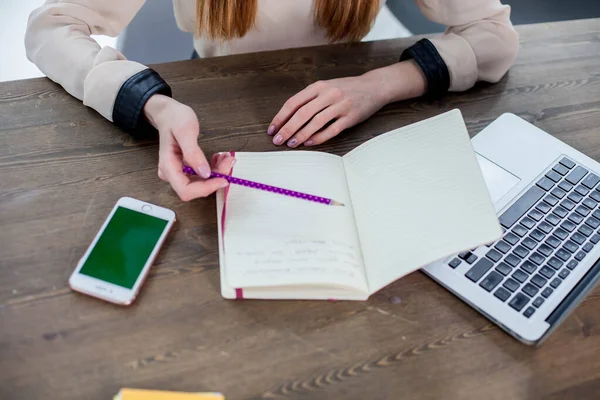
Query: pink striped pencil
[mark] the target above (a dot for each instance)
(268, 188)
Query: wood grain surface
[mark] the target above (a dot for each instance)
(62, 168)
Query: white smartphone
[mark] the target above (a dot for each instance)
(117, 261)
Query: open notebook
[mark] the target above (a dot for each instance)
(412, 196)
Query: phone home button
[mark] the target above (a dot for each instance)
(146, 208)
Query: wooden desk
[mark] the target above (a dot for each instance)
(62, 167)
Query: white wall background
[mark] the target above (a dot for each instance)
(13, 21)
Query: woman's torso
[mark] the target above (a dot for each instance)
(279, 24)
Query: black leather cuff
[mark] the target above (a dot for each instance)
(132, 97)
(433, 66)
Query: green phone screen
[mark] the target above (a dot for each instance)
(124, 247)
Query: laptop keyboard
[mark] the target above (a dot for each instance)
(548, 231)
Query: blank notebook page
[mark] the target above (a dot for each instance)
(276, 240)
(418, 196)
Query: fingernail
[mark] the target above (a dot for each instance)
(224, 185)
(271, 130)
(278, 139)
(292, 142)
(233, 161)
(309, 143)
(204, 170)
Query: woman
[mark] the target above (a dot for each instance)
(480, 44)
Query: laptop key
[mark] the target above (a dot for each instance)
(578, 238)
(519, 301)
(576, 175)
(537, 235)
(502, 247)
(551, 200)
(566, 186)
(530, 290)
(580, 256)
(567, 163)
(521, 251)
(512, 260)
(529, 243)
(575, 218)
(503, 268)
(590, 181)
(558, 193)
(454, 263)
(555, 282)
(538, 302)
(537, 258)
(528, 267)
(592, 222)
(589, 203)
(555, 263)
(552, 219)
(491, 281)
(471, 259)
(521, 206)
(568, 226)
(528, 222)
(582, 190)
(560, 212)
(511, 284)
(494, 255)
(563, 254)
(583, 211)
(552, 241)
(519, 230)
(528, 312)
(561, 169)
(564, 273)
(568, 204)
(479, 269)
(547, 272)
(502, 294)
(535, 215)
(545, 183)
(464, 255)
(572, 264)
(547, 292)
(519, 276)
(511, 238)
(585, 231)
(561, 234)
(575, 197)
(553, 176)
(543, 207)
(538, 280)
(545, 250)
(595, 238)
(571, 246)
(595, 195)
(587, 247)
(545, 227)
(596, 214)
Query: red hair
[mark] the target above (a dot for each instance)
(342, 19)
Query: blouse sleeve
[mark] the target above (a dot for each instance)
(479, 44)
(58, 41)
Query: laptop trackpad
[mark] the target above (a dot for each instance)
(498, 180)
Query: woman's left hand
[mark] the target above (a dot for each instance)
(326, 108)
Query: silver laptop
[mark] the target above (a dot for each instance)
(547, 198)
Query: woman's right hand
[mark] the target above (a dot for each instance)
(178, 129)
